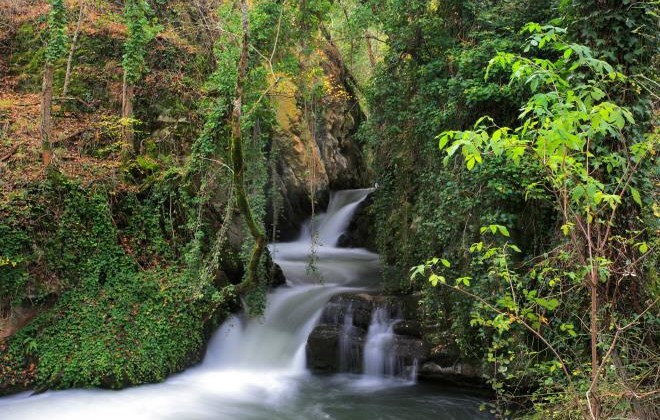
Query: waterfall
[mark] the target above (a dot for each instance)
(347, 350)
(277, 341)
(255, 368)
(379, 356)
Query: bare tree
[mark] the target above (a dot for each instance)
(54, 50)
(72, 50)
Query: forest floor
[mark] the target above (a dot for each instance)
(75, 134)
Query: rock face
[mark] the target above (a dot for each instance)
(352, 326)
(359, 231)
(314, 146)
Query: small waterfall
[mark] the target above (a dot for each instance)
(381, 358)
(349, 352)
(340, 210)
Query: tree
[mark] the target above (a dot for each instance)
(255, 229)
(139, 33)
(568, 128)
(54, 50)
(72, 50)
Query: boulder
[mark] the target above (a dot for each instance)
(324, 349)
(459, 373)
(360, 306)
(406, 327)
(322, 346)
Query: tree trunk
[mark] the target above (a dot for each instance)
(593, 389)
(128, 148)
(237, 162)
(74, 40)
(370, 50)
(46, 127)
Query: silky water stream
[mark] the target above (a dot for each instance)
(255, 368)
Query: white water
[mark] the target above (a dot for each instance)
(346, 350)
(255, 369)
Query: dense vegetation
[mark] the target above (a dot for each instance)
(134, 207)
(526, 242)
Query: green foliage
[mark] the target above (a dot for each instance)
(568, 127)
(127, 311)
(505, 307)
(57, 38)
(127, 328)
(211, 157)
(433, 79)
(140, 32)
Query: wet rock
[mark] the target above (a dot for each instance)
(409, 328)
(409, 349)
(276, 275)
(406, 305)
(359, 233)
(336, 347)
(324, 344)
(360, 306)
(459, 373)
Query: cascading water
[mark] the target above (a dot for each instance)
(379, 359)
(255, 368)
(347, 350)
(380, 356)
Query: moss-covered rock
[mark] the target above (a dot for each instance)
(114, 303)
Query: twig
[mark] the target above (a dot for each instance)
(9, 154)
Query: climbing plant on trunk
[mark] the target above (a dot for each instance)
(139, 32)
(238, 164)
(55, 49)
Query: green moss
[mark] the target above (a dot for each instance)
(119, 328)
(28, 57)
(125, 310)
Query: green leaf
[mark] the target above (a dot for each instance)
(464, 280)
(435, 279)
(503, 230)
(415, 271)
(445, 263)
(569, 328)
(636, 196)
(597, 94)
(577, 193)
(643, 248)
(443, 141)
(549, 304)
